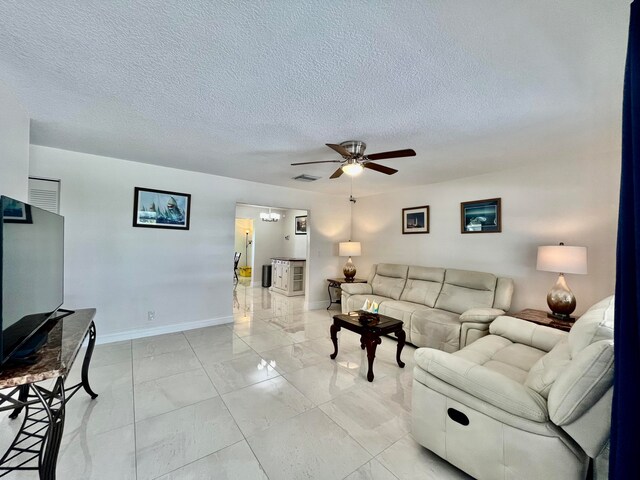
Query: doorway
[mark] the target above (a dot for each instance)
(244, 244)
(266, 232)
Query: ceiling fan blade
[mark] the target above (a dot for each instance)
(380, 168)
(337, 173)
(340, 149)
(395, 154)
(321, 161)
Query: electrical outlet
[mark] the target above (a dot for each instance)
(151, 315)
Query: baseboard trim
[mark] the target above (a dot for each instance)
(160, 330)
(317, 305)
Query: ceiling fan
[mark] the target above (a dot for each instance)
(355, 161)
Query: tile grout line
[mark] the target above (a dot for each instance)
(244, 438)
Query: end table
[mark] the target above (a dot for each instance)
(336, 283)
(540, 317)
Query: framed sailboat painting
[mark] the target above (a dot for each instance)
(161, 209)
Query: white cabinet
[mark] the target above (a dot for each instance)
(287, 276)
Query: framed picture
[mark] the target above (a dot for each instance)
(16, 212)
(415, 220)
(301, 225)
(481, 216)
(161, 209)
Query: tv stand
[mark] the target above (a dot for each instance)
(37, 443)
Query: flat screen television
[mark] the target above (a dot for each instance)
(31, 275)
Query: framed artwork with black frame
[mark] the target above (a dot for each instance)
(481, 216)
(161, 209)
(16, 212)
(301, 225)
(415, 220)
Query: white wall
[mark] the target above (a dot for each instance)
(14, 146)
(574, 201)
(184, 276)
(296, 246)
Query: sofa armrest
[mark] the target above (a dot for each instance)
(484, 384)
(356, 288)
(481, 315)
(527, 333)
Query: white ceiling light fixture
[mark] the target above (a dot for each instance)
(269, 217)
(352, 168)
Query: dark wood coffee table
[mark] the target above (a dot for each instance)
(369, 335)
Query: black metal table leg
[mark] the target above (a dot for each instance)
(53, 404)
(22, 397)
(87, 361)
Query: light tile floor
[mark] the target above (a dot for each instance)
(256, 399)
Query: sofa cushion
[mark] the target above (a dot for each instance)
(481, 315)
(389, 280)
(595, 325)
(585, 380)
(528, 333)
(463, 290)
(545, 371)
(399, 310)
(501, 355)
(434, 328)
(423, 285)
(504, 292)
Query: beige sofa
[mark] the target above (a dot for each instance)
(443, 309)
(526, 401)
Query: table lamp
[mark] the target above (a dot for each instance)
(562, 259)
(349, 249)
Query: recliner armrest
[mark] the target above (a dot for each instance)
(485, 384)
(527, 333)
(356, 288)
(481, 315)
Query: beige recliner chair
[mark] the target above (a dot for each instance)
(526, 401)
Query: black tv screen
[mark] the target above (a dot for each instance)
(32, 276)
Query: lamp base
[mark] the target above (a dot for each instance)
(349, 270)
(561, 300)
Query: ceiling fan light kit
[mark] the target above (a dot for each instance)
(354, 161)
(352, 168)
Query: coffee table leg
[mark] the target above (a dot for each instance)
(402, 336)
(371, 341)
(334, 338)
(362, 342)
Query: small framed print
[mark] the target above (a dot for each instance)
(301, 225)
(481, 216)
(415, 220)
(15, 211)
(161, 209)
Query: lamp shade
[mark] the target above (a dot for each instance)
(562, 259)
(349, 249)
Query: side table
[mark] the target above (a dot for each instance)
(337, 283)
(540, 317)
(37, 443)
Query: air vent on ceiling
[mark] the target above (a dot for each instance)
(306, 178)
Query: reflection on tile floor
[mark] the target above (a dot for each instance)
(255, 399)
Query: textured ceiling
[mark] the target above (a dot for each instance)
(242, 89)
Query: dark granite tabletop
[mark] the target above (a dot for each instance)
(57, 356)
